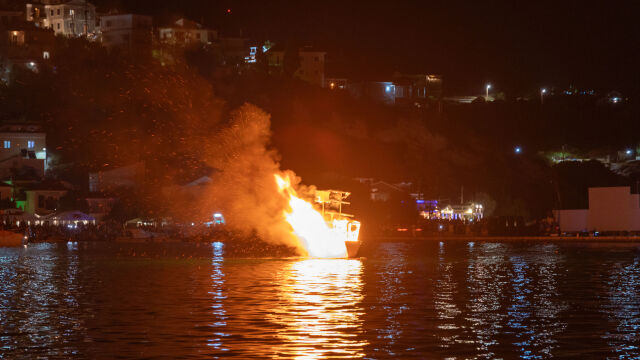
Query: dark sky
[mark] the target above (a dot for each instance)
(518, 46)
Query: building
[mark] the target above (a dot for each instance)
(336, 83)
(184, 32)
(311, 64)
(410, 89)
(9, 18)
(383, 191)
(433, 210)
(403, 89)
(100, 206)
(69, 18)
(23, 147)
(378, 91)
(234, 50)
(311, 67)
(24, 45)
(610, 209)
(128, 31)
(6, 191)
(115, 178)
(40, 198)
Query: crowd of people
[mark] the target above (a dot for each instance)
(495, 226)
(236, 244)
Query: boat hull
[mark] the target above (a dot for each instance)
(352, 248)
(11, 239)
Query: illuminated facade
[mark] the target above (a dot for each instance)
(432, 210)
(21, 147)
(69, 18)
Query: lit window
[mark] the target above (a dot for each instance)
(7, 144)
(45, 55)
(31, 144)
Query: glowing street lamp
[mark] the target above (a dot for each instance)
(487, 89)
(542, 92)
(517, 150)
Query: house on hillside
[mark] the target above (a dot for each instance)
(72, 18)
(25, 46)
(311, 64)
(41, 198)
(22, 149)
(132, 32)
(184, 32)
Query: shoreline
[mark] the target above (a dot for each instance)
(594, 239)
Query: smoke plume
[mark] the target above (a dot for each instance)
(244, 188)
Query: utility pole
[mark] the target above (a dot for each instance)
(461, 195)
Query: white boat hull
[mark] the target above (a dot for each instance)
(352, 248)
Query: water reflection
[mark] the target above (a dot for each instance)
(217, 299)
(320, 310)
(536, 304)
(39, 302)
(445, 300)
(486, 279)
(624, 310)
(395, 297)
(420, 300)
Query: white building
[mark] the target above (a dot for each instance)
(22, 146)
(130, 31)
(69, 18)
(184, 32)
(610, 209)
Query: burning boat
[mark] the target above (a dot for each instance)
(323, 230)
(331, 203)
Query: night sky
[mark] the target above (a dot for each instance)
(517, 46)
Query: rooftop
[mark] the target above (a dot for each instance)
(21, 127)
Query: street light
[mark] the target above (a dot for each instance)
(488, 87)
(517, 149)
(542, 92)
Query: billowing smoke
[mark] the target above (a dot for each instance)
(244, 188)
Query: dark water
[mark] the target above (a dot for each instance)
(453, 300)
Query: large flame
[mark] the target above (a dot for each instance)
(318, 238)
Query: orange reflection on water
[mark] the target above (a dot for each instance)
(321, 311)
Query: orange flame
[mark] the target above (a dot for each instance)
(316, 236)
